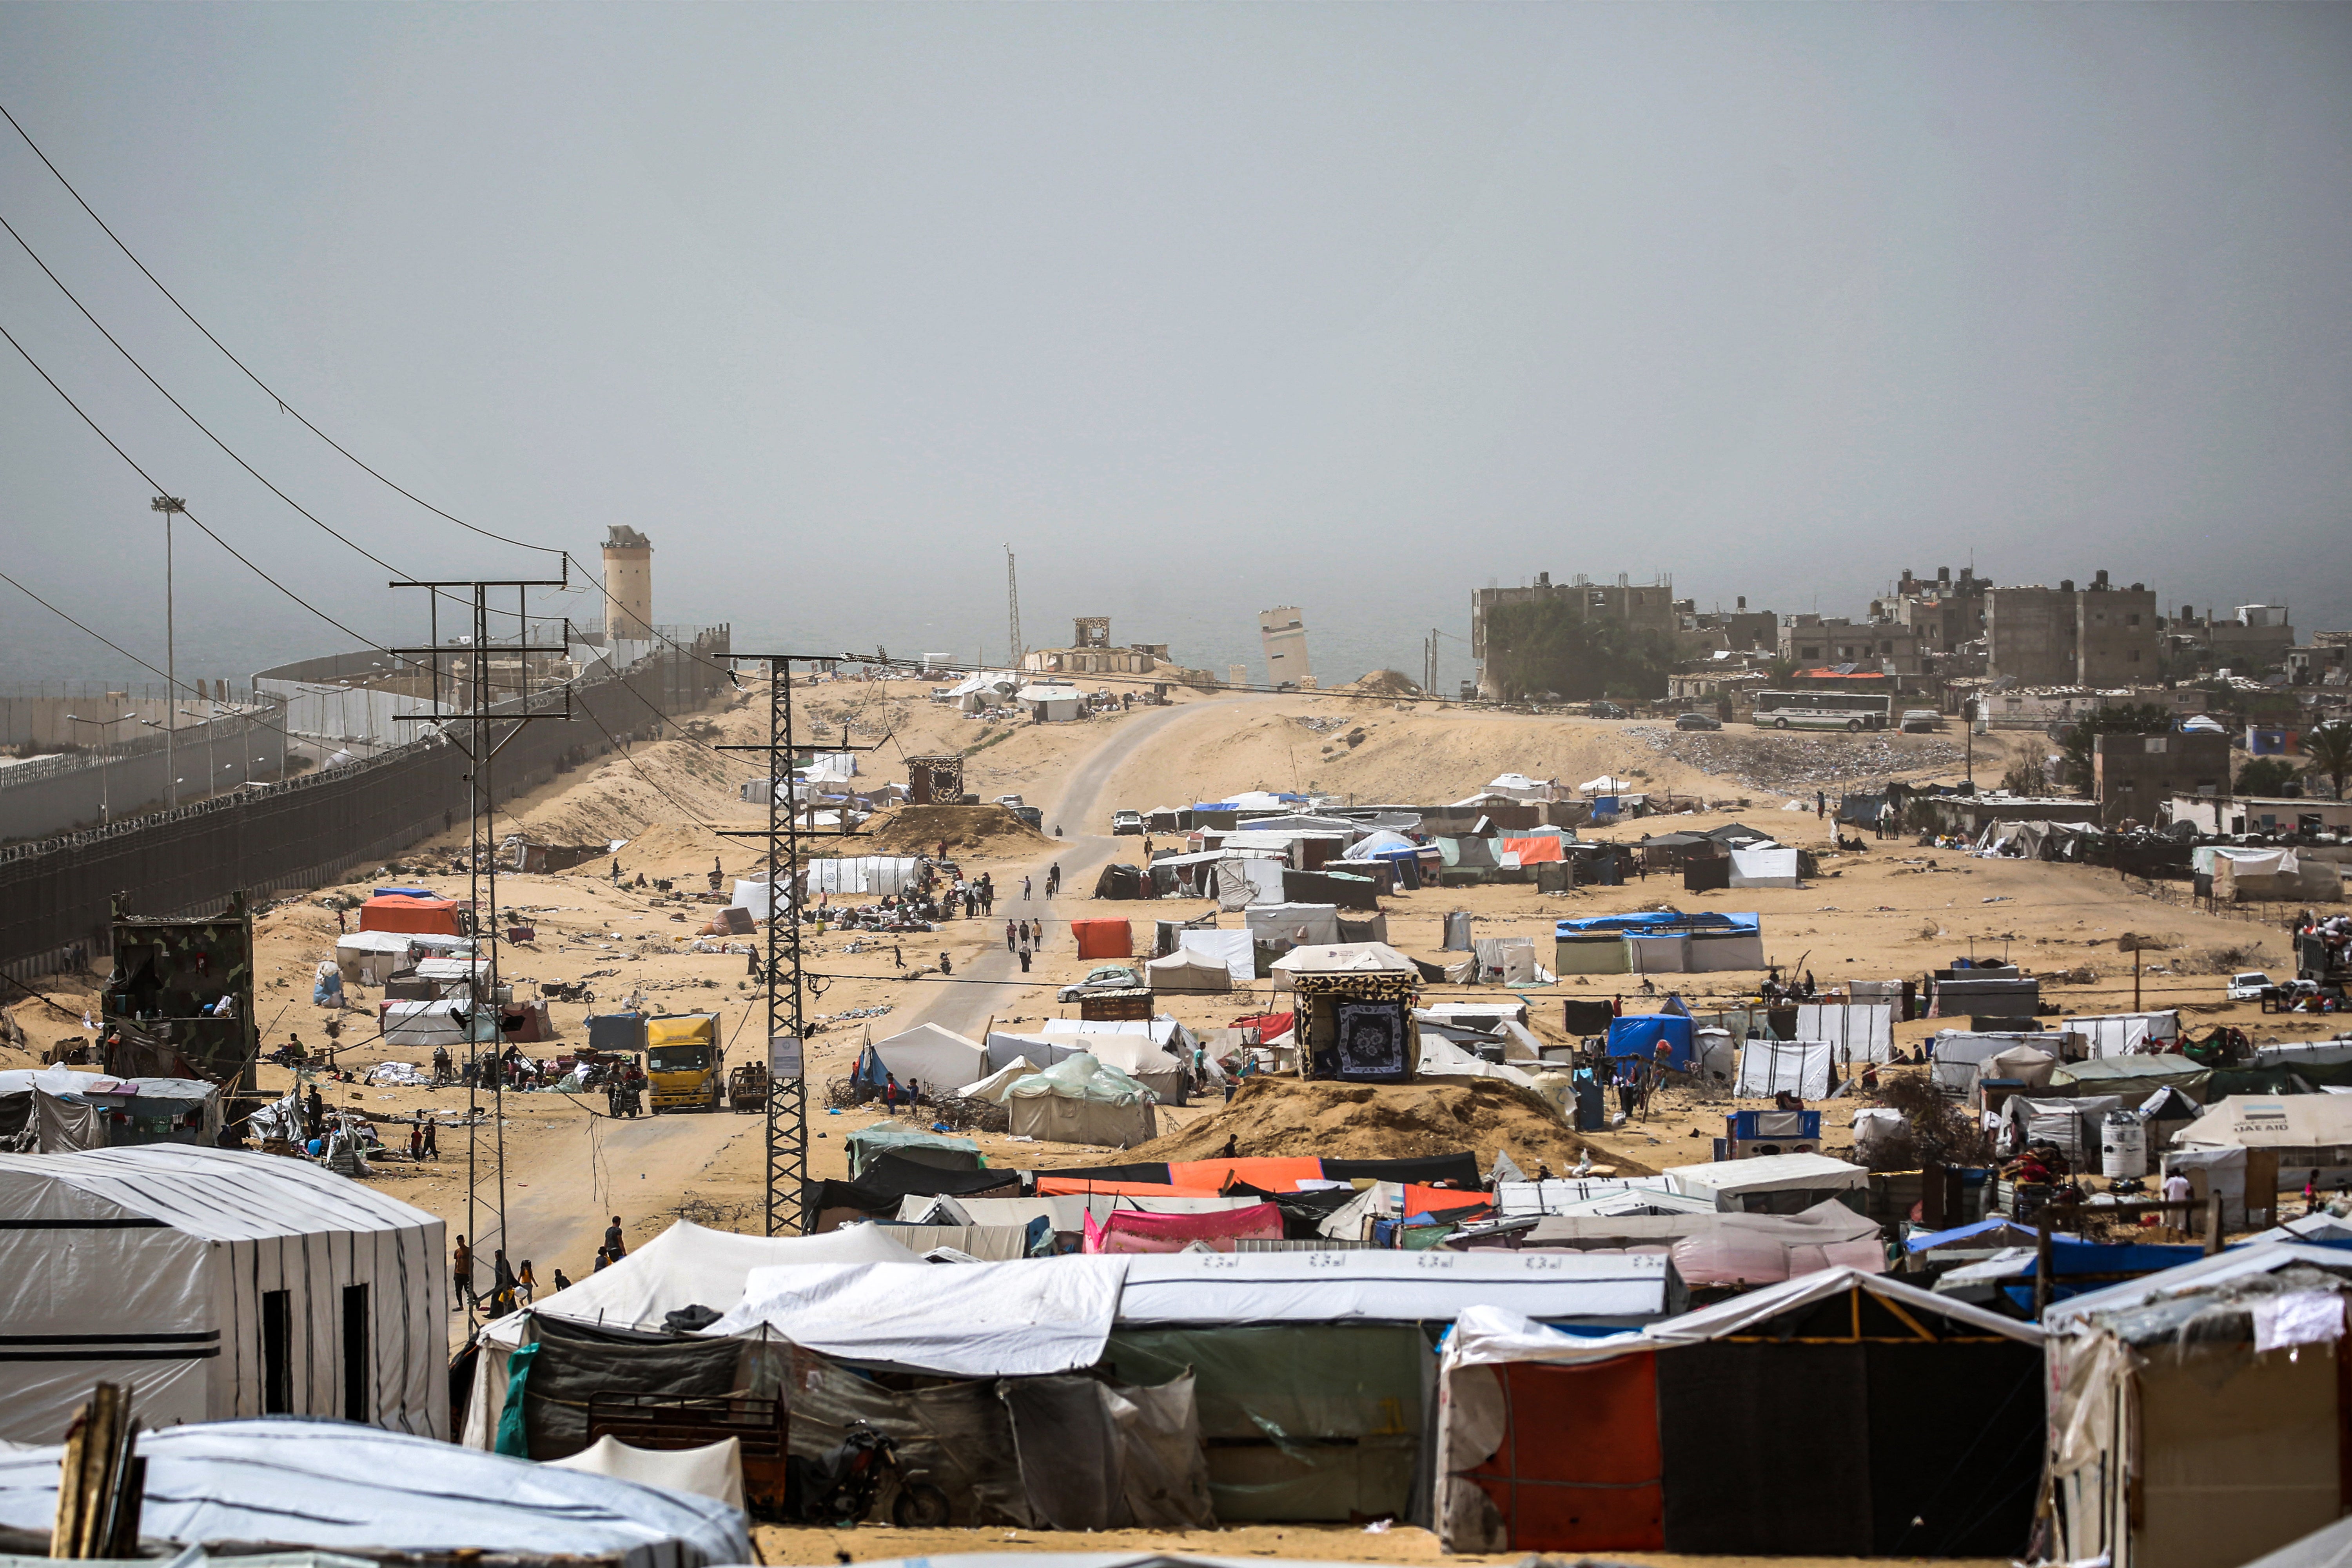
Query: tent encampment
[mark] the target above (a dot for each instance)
(936, 1056)
(1078, 1099)
(222, 1284)
(373, 957)
(1771, 1183)
(1802, 1067)
(1230, 947)
(1684, 1437)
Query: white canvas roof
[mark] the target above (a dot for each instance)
(991, 1087)
(374, 942)
(2201, 1274)
(1185, 971)
(2267, 1121)
(712, 1470)
(1305, 924)
(1767, 1173)
(1382, 1285)
(146, 1264)
(1230, 947)
(1763, 868)
(1025, 1318)
(334, 1485)
(1346, 958)
(687, 1266)
(936, 1056)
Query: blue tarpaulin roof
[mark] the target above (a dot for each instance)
(1658, 920)
(1639, 1034)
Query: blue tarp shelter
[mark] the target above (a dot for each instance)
(1638, 1036)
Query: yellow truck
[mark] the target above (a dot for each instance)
(683, 1062)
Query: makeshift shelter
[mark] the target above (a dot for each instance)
(2303, 1133)
(222, 1284)
(1133, 1231)
(1763, 869)
(1956, 1057)
(373, 957)
(1712, 1250)
(1773, 1184)
(711, 1470)
(1080, 1101)
(2122, 1034)
(1862, 1031)
(1104, 938)
(1802, 1067)
(1639, 1035)
(2135, 1077)
(1659, 942)
(1679, 1436)
(2029, 1066)
(371, 1494)
(2198, 1415)
(1188, 972)
(860, 876)
(865, 1144)
(936, 1056)
(411, 913)
(1052, 704)
(1286, 926)
(1355, 1012)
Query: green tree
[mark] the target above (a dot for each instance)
(2025, 778)
(2329, 747)
(2075, 742)
(2269, 776)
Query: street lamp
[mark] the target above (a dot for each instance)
(212, 728)
(171, 507)
(105, 800)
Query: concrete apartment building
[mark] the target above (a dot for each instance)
(1888, 646)
(2135, 774)
(2101, 635)
(1740, 630)
(1641, 606)
(1943, 612)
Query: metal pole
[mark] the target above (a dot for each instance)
(171, 507)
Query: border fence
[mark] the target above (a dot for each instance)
(55, 893)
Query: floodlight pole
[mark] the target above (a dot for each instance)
(171, 507)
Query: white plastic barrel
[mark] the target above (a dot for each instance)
(2123, 1146)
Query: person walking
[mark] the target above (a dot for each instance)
(616, 1245)
(502, 1284)
(526, 1282)
(616, 870)
(1820, 803)
(1024, 890)
(915, 1095)
(562, 1282)
(461, 1272)
(946, 966)
(1024, 954)
(1008, 936)
(890, 1093)
(432, 1140)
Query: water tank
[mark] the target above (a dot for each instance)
(2123, 1146)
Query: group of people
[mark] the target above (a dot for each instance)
(1023, 938)
(893, 1096)
(512, 1288)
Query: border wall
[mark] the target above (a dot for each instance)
(55, 892)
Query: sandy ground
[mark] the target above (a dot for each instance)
(1304, 1542)
(1891, 910)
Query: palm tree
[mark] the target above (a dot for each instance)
(2329, 747)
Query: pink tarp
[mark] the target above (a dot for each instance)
(1130, 1231)
(1727, 1258)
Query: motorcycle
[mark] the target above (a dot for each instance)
(844, 1486)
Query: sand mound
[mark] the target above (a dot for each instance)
(1286, 1116)
(967, 830)
(1383, 683)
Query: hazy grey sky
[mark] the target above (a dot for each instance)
(1204, 308)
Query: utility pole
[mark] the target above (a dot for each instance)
(171, 507)
(1013, 601)
(786, 992)
(481, 750)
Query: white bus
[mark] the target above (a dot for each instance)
(1850, 710)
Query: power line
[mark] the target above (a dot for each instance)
(101, 637)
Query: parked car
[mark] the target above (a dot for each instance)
(1011, 802)
(1107, 977)
(1126, 822)
(1921, 721)
(2249, 986)
(1608, 710)
(1696, 720)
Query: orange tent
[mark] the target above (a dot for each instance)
(1542, 846)
(399, 912)
(1418, 1199)
(1267, 1173)
(1078, 1186)
(1103, 939)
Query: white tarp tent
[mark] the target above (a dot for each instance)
(1023, 1318)
(1244, 882)
(1137, 1056)
(991, 1087)
(339, 1488)
(2125, 1034)
(1229, 947)
(1862, 1031)
(160, 1265)
(1080, 1100)
(422, 1024)
(864, 875)
(1799, 1067)
(1955, 1056)
(1380, 844)
(371, 957)
(1293, 925)
(1341, 958)
(1187, 973)
(1752, 1186)
(934, 1055)
(1053, 704)
(1383, 1285)
(711, 1470)
(1763, 868)
(752, 899)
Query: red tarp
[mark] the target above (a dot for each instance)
(1130, 1231)
(1418, 1199)
(1103, 939)
(1542, 846)
(1267, 1025)
(1580, 1467)
(399, 912)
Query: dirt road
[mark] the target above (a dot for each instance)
(651, 1163)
